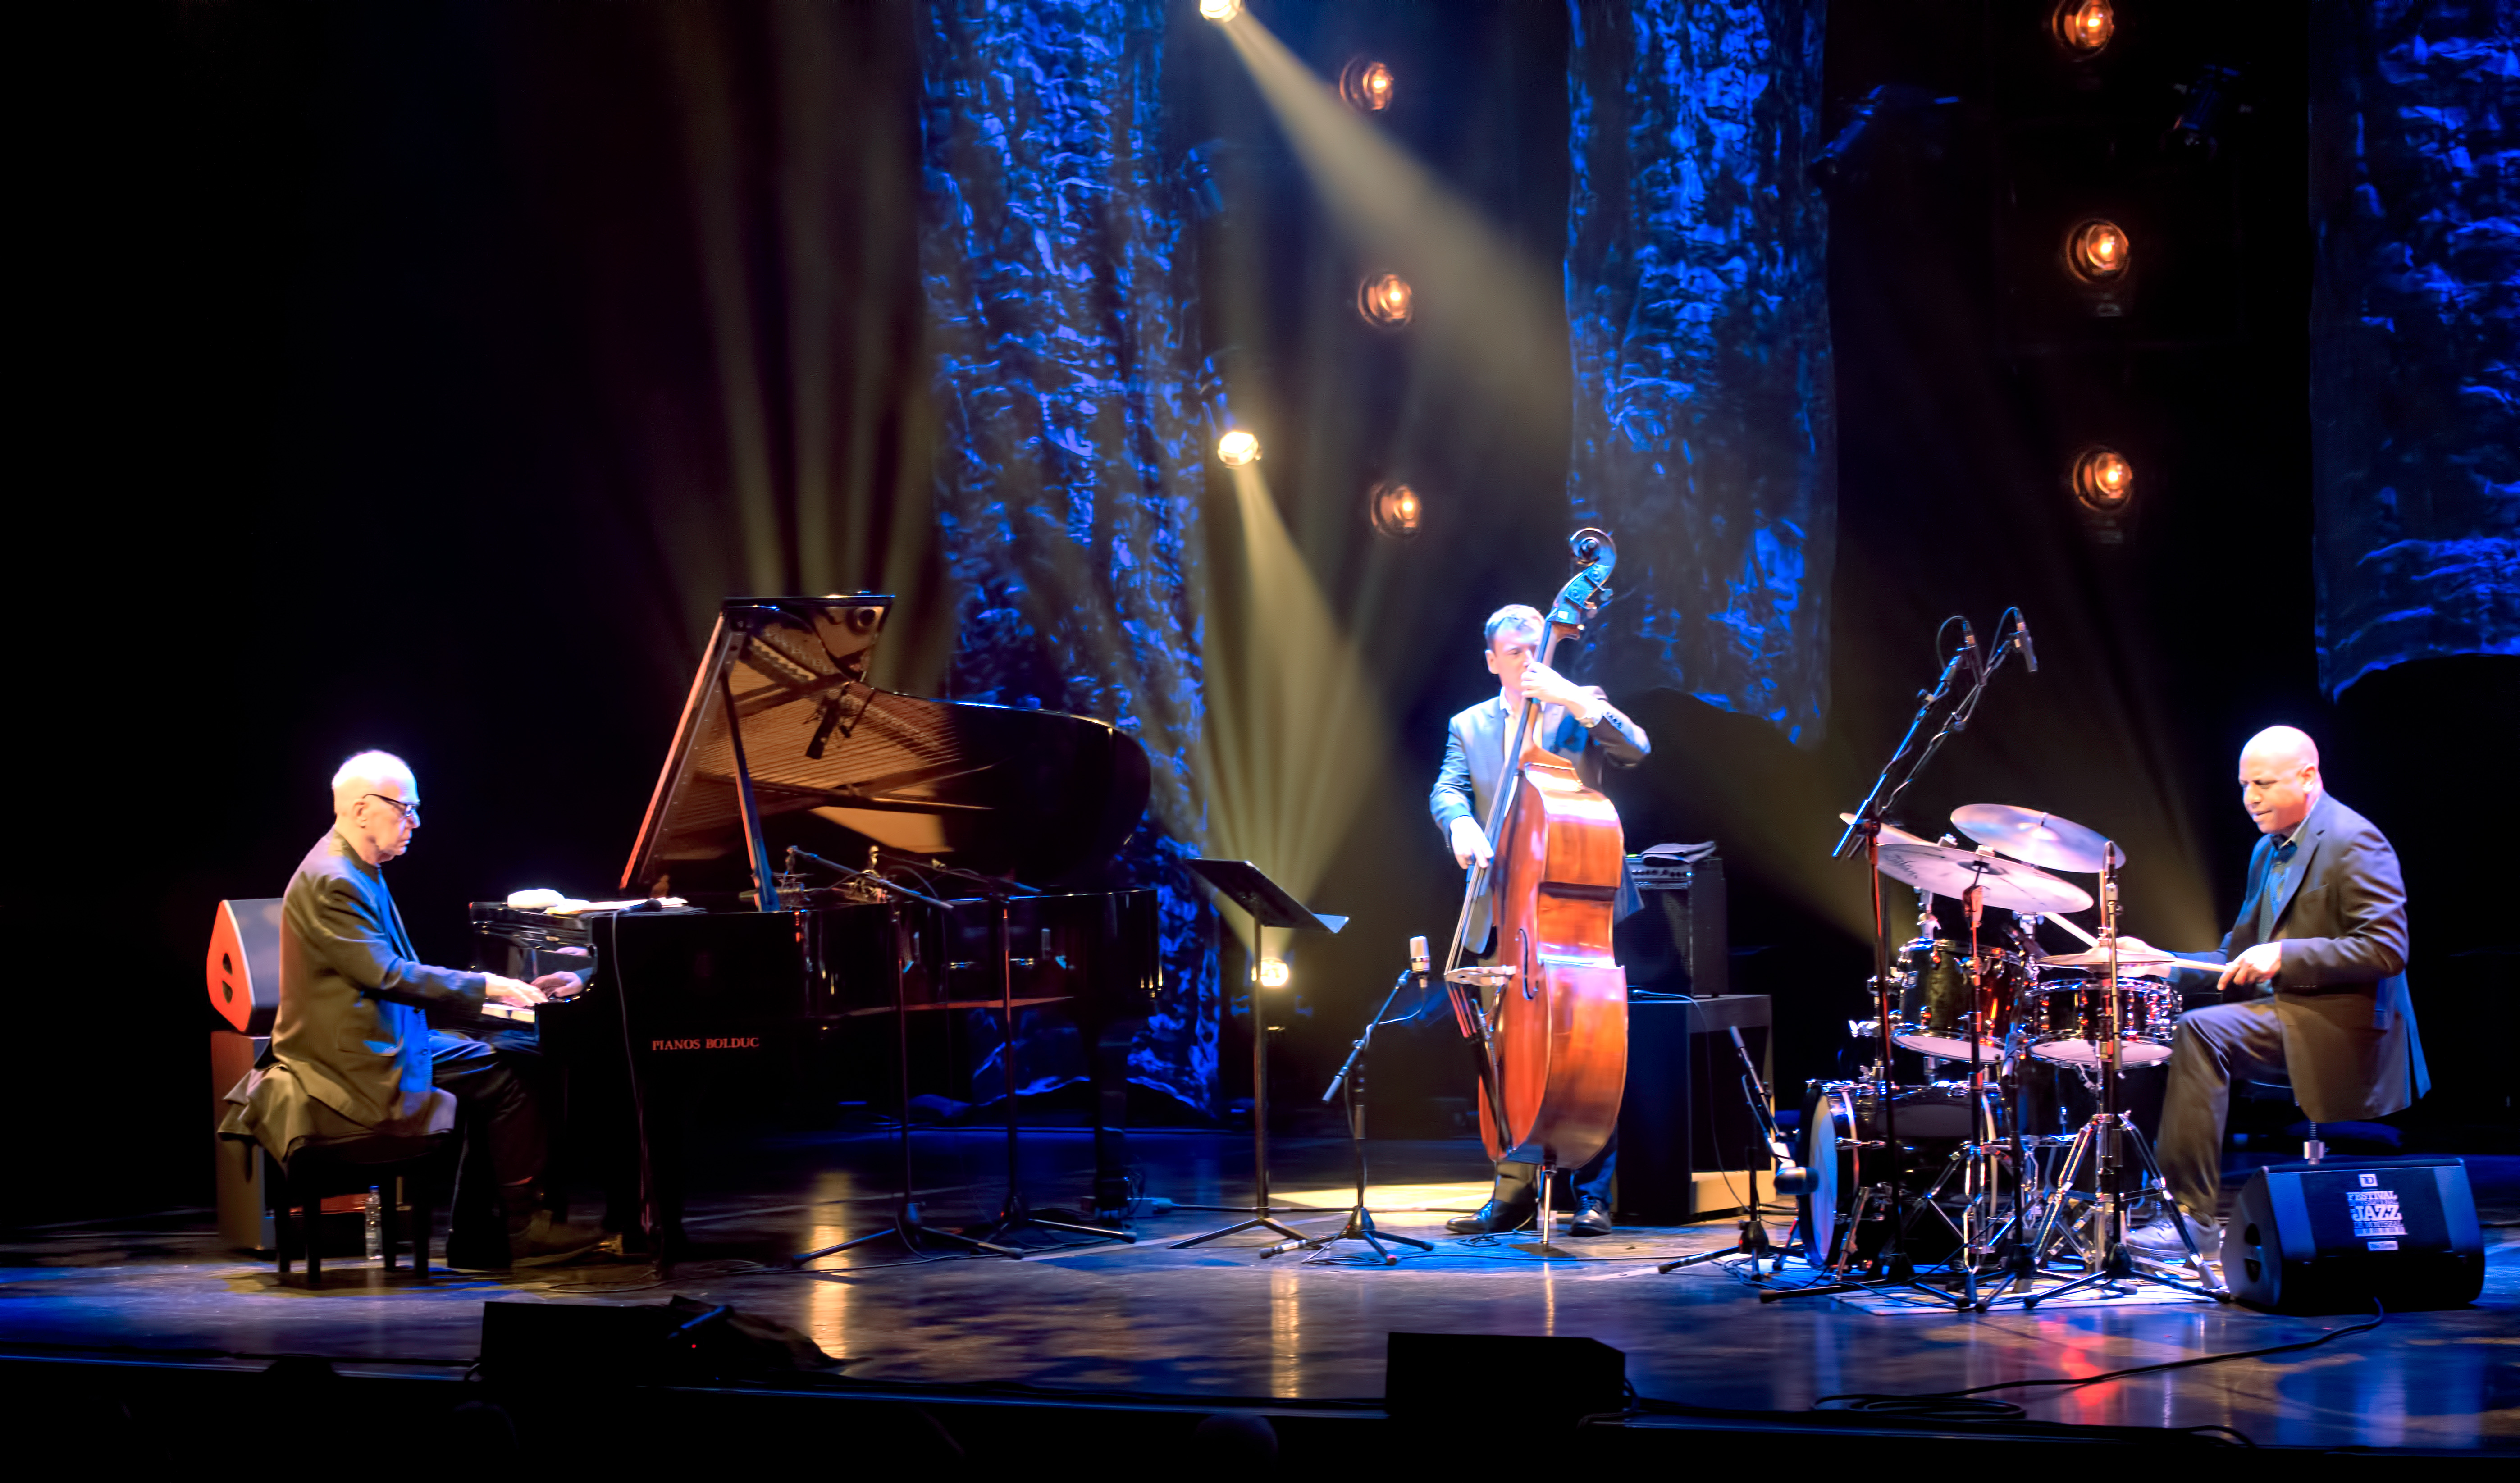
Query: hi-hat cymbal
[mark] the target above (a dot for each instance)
(2010, 884)
(1891, 834)
(2028, 834)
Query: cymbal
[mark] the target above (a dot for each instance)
(1891, 834)
(2027, 833)
(2099, 958)
(2010, 884)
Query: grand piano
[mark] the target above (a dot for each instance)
(746, 956)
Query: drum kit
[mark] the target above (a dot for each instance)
(1942, 1170)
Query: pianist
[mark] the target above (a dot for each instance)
(353, 1057)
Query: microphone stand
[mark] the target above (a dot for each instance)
(906, 1227)
(1360, 1224)
(1891, 1266)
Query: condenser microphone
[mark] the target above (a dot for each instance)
(1419, 964)
(1969, 646)
(2021, 642)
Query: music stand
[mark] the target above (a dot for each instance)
(1268, 906)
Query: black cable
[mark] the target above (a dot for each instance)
(1938, 1405)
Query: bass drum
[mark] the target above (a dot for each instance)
(1840, 1119)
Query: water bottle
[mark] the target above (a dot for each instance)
(376, 1219)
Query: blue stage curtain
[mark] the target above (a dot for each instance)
(1697, 292)
(1073, 407)
(2414, 325)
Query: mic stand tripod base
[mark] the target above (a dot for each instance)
(907, 1230)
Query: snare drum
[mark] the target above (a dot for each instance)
(2068, 1016)
(1934, 998)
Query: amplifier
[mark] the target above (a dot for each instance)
(2332, 1236)
(1678, 942)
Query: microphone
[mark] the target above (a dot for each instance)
(2021, 641)
(1420, 963)
(1968, 645)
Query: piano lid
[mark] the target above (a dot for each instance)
(1028, 794)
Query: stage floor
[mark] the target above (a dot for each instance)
(1219, 1320)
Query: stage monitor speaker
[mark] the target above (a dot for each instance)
(1433, 1380)
(2335, 1235)
(243, 968)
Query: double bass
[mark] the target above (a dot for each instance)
(1552, 1058)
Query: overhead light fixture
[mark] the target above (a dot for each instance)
(2085, 27)
(2097, 250)
(1237, 448)
(1395, 509)
(2102, 479)
(1367, 85)
(1385, 300)
(1274, 974)
(1219, 11)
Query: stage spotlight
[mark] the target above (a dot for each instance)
(1396, 510)
(1385, 300)
(2096, 251)
(2085, 25)
(1274, 974)
(1219, 11)
(1237, 448)
(1367, 85)
(2104, 480)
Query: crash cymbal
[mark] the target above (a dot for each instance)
(2027, 833)
(1948, 872)
(1890, 833)
(2099, 958)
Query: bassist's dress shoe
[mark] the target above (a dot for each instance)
(1591, 1217)
(1493, 1219)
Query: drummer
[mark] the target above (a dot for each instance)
(2315, 969)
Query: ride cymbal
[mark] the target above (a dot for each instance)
(2031, 834)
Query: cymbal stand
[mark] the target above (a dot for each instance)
(2104, 1144)
(1360, 1224)
(906, 1227)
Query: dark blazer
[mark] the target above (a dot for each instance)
(2349, 1027)
(352, 1033)
(1474, 759)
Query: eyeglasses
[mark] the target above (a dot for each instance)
(410, 811)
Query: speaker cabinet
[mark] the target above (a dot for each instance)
(243, 968)
(1689, 1146)
(2335, 1235)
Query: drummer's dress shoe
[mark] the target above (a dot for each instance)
(1493, 1219)
(2158, 1240)
(1591, 1217)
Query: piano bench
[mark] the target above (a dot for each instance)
(299, 1188)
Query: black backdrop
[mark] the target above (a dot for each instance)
(366, 386)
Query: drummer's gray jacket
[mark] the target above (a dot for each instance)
(2349, 1027)
(1475, 760)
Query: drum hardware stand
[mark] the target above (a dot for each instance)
(1360, 1224)
(1268, 905)
(906, 1227)
(2107, 1262)
(1891, 1266)
(1754, 1231)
